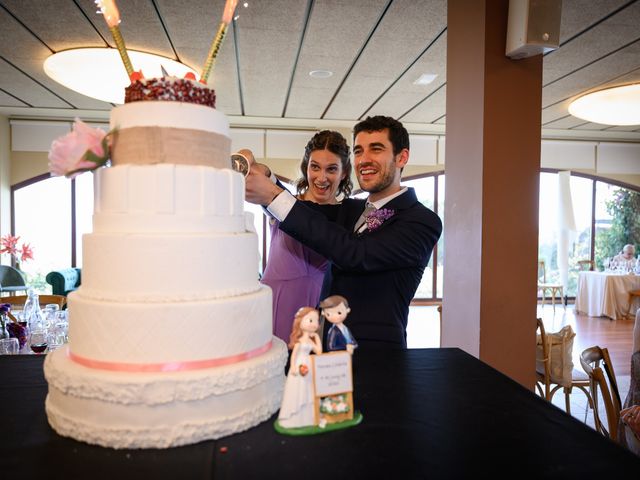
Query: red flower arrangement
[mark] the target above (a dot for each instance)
(9, 244)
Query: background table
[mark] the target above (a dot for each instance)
(427, 413)
(605, 294)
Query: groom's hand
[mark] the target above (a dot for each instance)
(259, 188)
(261, 167)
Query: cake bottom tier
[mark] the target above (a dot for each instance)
(161, 410)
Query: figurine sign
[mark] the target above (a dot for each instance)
(333, 387)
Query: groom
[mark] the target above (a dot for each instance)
(378, 248)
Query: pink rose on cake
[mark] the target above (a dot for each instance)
(81, 150)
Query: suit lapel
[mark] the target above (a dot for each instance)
(349, 215)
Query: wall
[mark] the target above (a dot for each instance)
(26, 165)
(282, 150)
(5, 181)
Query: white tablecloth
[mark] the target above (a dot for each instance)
(605, 294)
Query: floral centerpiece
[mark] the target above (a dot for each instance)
(81, 150)
(9, 326)
(22, 253)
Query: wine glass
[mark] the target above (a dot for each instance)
(38, 341)
(49, 312)
(57, 335)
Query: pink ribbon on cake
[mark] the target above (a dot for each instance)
(168, 366)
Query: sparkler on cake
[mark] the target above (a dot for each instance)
(227, 16)
(112, 17)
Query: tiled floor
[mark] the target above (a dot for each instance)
(578, 402)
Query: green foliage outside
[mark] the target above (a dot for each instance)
(624, 208)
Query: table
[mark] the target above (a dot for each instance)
(430, 412)
(605, 294)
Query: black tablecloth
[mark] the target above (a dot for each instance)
(427, 413)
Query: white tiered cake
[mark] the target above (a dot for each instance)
(170, 332)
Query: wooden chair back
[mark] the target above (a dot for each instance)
(603, 382)
(586, 265)
(19, 300)
(543, 383)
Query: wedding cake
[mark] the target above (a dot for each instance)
(170, 337)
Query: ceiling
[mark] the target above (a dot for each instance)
(376, 49)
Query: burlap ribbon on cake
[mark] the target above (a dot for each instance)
(150, 145)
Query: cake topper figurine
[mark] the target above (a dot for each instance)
(318, 393)
(111, 15)
(335, 309)
(227, 16)
(297, 402)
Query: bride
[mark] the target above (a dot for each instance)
(296, 409)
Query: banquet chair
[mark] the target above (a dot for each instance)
(544, 287)
(586, 265)
(440, 314)
(19, 300)
(546, 387)
(591, 359)
(632, 296)
(11, 280)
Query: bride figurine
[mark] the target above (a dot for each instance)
(296, 409)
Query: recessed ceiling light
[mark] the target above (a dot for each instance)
(425, 79)
(320, 73)
(611, 106)
(76, 69)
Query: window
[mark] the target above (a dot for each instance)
(42, 218)
(425, 188)
(589, 200)
(83, 212)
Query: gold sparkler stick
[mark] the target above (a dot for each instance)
(112, 17)
(227, 16)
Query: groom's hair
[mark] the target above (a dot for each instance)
(334, 301)
(398, 135)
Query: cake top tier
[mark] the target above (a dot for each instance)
(170, 89)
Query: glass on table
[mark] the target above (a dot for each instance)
(57, 335)
(38, 341)
(49, 312)
(9, 346)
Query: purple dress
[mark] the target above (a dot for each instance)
(294, 273)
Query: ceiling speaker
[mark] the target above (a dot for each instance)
(533, 28)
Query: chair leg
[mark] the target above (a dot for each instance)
(567, 399)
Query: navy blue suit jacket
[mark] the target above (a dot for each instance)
(378, 271)
(337, 341)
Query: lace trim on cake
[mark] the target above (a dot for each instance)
(162, 388)
(163, 436)
(94, 294)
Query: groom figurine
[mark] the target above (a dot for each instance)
(377, 248)
(335, 309)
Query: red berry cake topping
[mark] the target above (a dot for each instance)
(170, 89)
